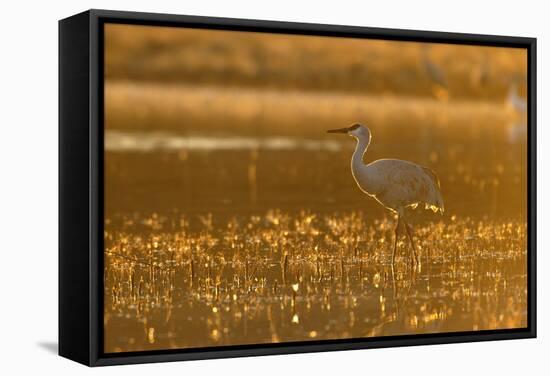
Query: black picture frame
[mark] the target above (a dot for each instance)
(81, 186)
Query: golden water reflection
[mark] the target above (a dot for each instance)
(282, 277)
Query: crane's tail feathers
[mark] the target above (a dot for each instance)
(431, 173)
(436, 203)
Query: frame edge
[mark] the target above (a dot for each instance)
(74, 248)
(93, 356)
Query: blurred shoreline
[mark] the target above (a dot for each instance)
(237, 110)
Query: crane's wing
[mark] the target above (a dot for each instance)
(405, 184)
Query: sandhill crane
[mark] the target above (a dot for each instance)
(394, 183)
(480, 72)
(515, 101)
(518, 107)
(439, 85)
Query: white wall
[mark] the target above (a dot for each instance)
(28, 184)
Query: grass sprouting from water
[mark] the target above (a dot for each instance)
(176, 281)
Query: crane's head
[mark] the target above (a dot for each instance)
(357, 130)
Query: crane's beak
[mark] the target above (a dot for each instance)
(339, 130)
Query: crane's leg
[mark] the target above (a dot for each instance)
(395, 241)
(409, 234)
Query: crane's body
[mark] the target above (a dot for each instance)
(394, 183)
(412, 185)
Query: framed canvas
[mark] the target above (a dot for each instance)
(235, 187)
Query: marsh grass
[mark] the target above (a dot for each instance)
(293, 277)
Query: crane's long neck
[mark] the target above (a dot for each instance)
(358, 168)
